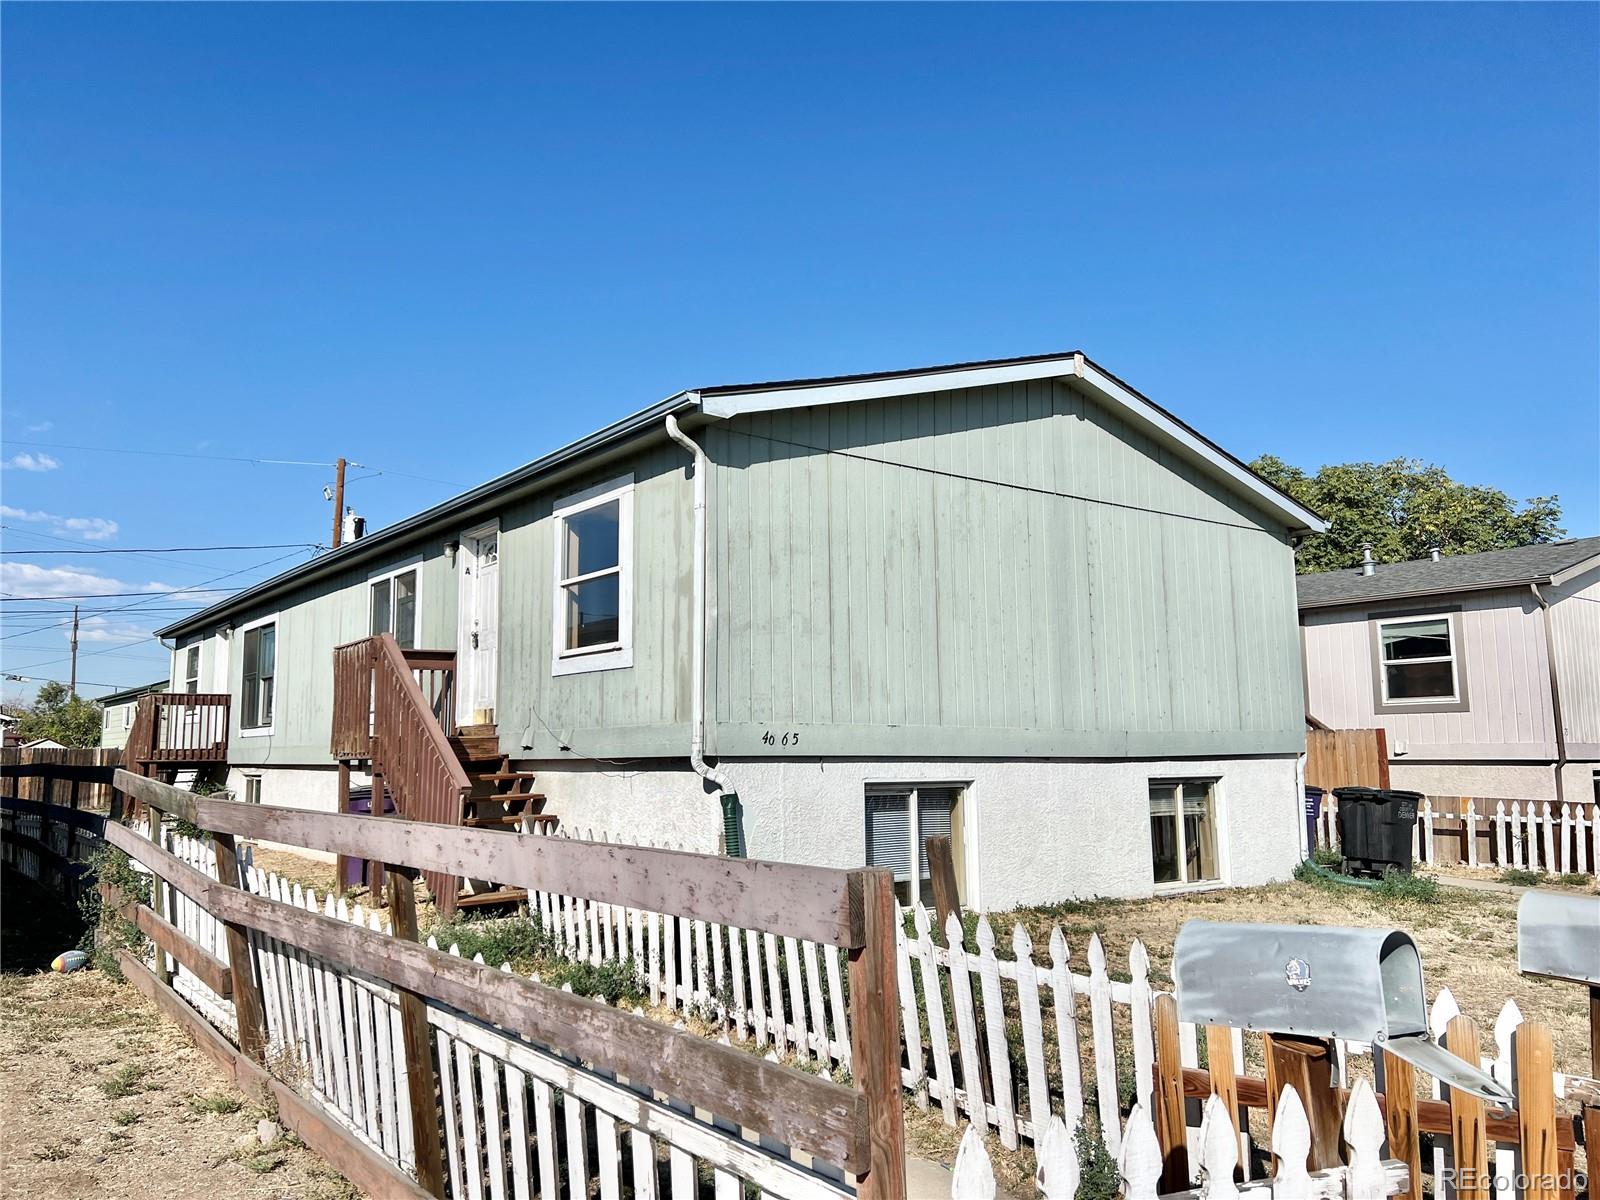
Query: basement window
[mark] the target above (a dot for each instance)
(259, 678)
(252, 789)
(1417, 659)
(1183, 832)
(592, 628)
(900, 819)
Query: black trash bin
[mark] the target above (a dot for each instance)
(1375, 829)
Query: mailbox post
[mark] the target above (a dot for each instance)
(1306, 985)
(1558, 937)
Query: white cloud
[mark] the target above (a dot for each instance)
(100, 629)
(31, 462)
(92, 529)
(29, 579)
(42, 427)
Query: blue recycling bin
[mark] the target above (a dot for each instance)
(359, 871)
(1314, 797)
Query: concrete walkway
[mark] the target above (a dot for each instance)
(931, 1181)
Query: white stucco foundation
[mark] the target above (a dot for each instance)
(1034, 830)
(1509, 781)
(315, 788)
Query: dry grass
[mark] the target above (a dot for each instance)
(103, 1097)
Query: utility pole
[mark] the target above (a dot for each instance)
(338, 503)
(74, 685)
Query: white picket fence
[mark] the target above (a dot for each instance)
(1214, 1155)
(1534, 835)
(521, 1119)
(788, 995)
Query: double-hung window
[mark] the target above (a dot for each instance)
(1183, 832)
(1418, 660)
(258, 691)
(393, 607)
(593, 601)
(900, 820)
(191, 669)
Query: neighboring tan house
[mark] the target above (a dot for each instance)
(1483, 669)
(119, 708)
(1011, 600)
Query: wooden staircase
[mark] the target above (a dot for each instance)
(500, 799)
(394, 709)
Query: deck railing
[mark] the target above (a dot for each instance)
(353, 708)
(178, 728)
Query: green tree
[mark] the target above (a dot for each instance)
(1405, 507)
(62, 715)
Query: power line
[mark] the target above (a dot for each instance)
(256, 462)
(139, 603)
(176, 549)
(114, 595)
(9, 677)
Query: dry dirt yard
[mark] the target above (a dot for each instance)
(102, 1097)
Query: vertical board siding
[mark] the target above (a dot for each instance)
(1503, 662)
(1575, 621)
(997, 559)
(642, 709)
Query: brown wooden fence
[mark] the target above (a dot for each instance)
(1347, 758)
(763, 1115)
(78, 777)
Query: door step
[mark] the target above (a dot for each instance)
(506, 777)
(509, 820)
(503, 896)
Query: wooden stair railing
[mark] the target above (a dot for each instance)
(410, 746)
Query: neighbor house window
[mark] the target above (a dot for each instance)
(900, 820)
(252, 789)
(1417, 660)
(259, 677)
(1183, 832)
(593, 599)
(191, 668)
(394, 606)
(127, 716)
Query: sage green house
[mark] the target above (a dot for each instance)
(1014, 601)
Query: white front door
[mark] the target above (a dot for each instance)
(476, 657)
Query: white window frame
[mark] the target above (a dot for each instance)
(251, 779)
(389, 573)
(191, 683)
(1219, 814)
(277, 674)
(614, 655)
(127, 715)
(963, 806)
(1453, 658)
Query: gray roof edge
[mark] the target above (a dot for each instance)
(130, 692)
(1419, 593)
(1538, 563)
(375, 543)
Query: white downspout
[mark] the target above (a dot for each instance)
(697, 686)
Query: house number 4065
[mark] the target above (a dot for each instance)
(780, 739)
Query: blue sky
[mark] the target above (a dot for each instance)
(443, 239)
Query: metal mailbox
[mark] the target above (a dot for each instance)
(1558, 935)
(1317, 981)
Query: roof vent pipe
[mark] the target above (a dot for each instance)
(1433, 553)
(1368, 565)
